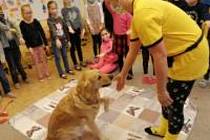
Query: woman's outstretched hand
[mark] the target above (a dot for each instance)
(120, 79)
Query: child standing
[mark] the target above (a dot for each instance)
(59, 36)
(122, 21)
(95, 22)
(72, 18)
(3, 79)
(108, 20)
(9, 37)
(35, 40)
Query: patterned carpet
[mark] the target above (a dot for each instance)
(130, 112)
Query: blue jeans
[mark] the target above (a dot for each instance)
(4, 81)
(62, 52)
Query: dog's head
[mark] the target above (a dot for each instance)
(91, 81)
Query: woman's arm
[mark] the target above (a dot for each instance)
(131, 57)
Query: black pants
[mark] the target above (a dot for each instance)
(179, 92)
(145, 56)
(207, 75)
(121, 49)
(96, 44)
(13, 58)
(75, 40)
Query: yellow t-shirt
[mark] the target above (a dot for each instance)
(157, 20)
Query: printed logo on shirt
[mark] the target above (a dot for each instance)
(193, 14)
(59, 29)
(73, 16)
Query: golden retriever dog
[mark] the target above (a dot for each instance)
(79, 108)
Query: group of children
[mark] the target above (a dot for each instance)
(109, 46)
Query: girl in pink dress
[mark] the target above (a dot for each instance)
(122, 22)
(107, 58)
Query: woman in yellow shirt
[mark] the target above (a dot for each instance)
(180, 55)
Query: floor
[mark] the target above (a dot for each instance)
(34, 91)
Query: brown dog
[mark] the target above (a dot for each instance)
(79, 109)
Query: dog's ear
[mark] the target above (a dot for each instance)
(83, 82)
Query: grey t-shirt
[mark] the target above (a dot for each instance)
(72, 17)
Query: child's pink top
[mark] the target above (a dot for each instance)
(106, 46)
(122, 21)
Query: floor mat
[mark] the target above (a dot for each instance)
(130, 112)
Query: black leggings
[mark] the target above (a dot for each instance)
(179, 92)
(121, 48)
(145, 56)
(96, 44)
(207, 75)
(13, 58)
(75, 40)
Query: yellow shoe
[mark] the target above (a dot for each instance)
(158, 131)
(170, 136)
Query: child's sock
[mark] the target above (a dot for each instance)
(158, 131)
(170, 136)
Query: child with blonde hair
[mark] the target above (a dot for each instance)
(35, 40)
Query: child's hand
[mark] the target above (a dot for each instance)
(22, 41)
(91, 28)
(31, 50)
(101, 55)
(101, 26)
(47, 49)
(128, 32)
(83, 34)
(69, 43)
(58, 43)
(71, 30)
